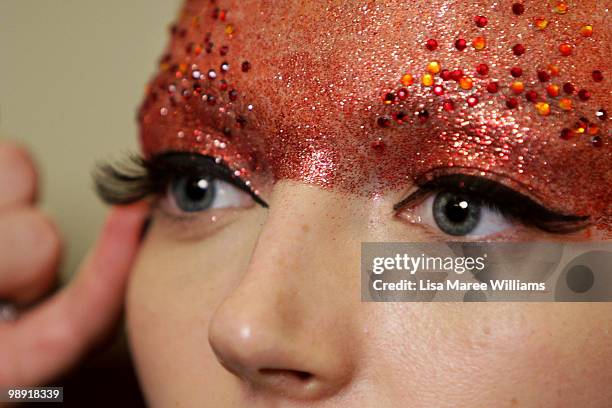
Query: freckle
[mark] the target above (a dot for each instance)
(514, 402)
(305, 228)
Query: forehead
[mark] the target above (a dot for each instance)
(336, 90)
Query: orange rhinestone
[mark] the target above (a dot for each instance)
(517, 87)
(427, 80)
(593, 129)
(586, 30)
(407, 80)
(554, 70)
(560, 8)
(565, 49)
(479, 43)
(433, 67)
(552, 90)
(466, 83)
(566, 104)
(541, 23)
(229, 29)
(542, 108)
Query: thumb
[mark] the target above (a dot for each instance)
(53, 336)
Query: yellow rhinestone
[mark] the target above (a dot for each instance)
(566, 104)
(428, 80)
(541, 23)
(407, 80)
(560, 8)
(466, 83)
(586, 30)
(433, 67)
(479, 43)
(542, 108)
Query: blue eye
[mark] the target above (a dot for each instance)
(459, 214)
(193, 194)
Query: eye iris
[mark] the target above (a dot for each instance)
(456, 214)
(193, 193)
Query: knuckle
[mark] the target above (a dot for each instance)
(19, 170)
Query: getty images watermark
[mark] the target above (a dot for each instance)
(486, 272)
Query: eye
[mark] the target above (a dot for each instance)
(189, 194)
(473, 206)
(459, 214)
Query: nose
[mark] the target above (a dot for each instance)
(286, 328)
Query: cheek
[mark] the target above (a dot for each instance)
(173, 292)
(496, 354)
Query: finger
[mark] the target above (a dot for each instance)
(17, 176)
(51, 338)
(29, 254)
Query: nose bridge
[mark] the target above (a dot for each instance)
(285, 325)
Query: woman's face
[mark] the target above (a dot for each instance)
(312, 108)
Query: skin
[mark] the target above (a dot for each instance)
(261, 308)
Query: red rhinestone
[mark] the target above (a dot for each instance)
(389, 98)
(223, 50)
(431, 44)
(423, 115)
(233, 95)
(596, 141)
(584, 95)
(531, 96)
(460, 44)
(512, 103)
(482, 69)
(456, 75)
(383, 121)
(569, 88)
(480, 21)
(400, 116)
(402, 94)
(518, 8)
(543, 76)
(601, 114)
(472, 101)
(492, 87)
(518, 49)
(448, 106)
(246, 66)
(516, 72)
(567, 134)
(597, 75)
(378, 145)
(445, 74)
(438, 90)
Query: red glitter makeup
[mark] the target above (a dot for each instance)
(383, 97)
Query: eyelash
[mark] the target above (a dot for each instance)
(138, 178)
(508, 202)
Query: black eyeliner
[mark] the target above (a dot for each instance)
(138, 178)
(504, 199)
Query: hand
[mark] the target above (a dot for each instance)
(49, 337)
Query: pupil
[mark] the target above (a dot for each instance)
(457, 211)
(196, 189)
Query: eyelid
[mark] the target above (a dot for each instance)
(508, 201)
(138, 178)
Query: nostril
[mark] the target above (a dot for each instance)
(280, 374)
